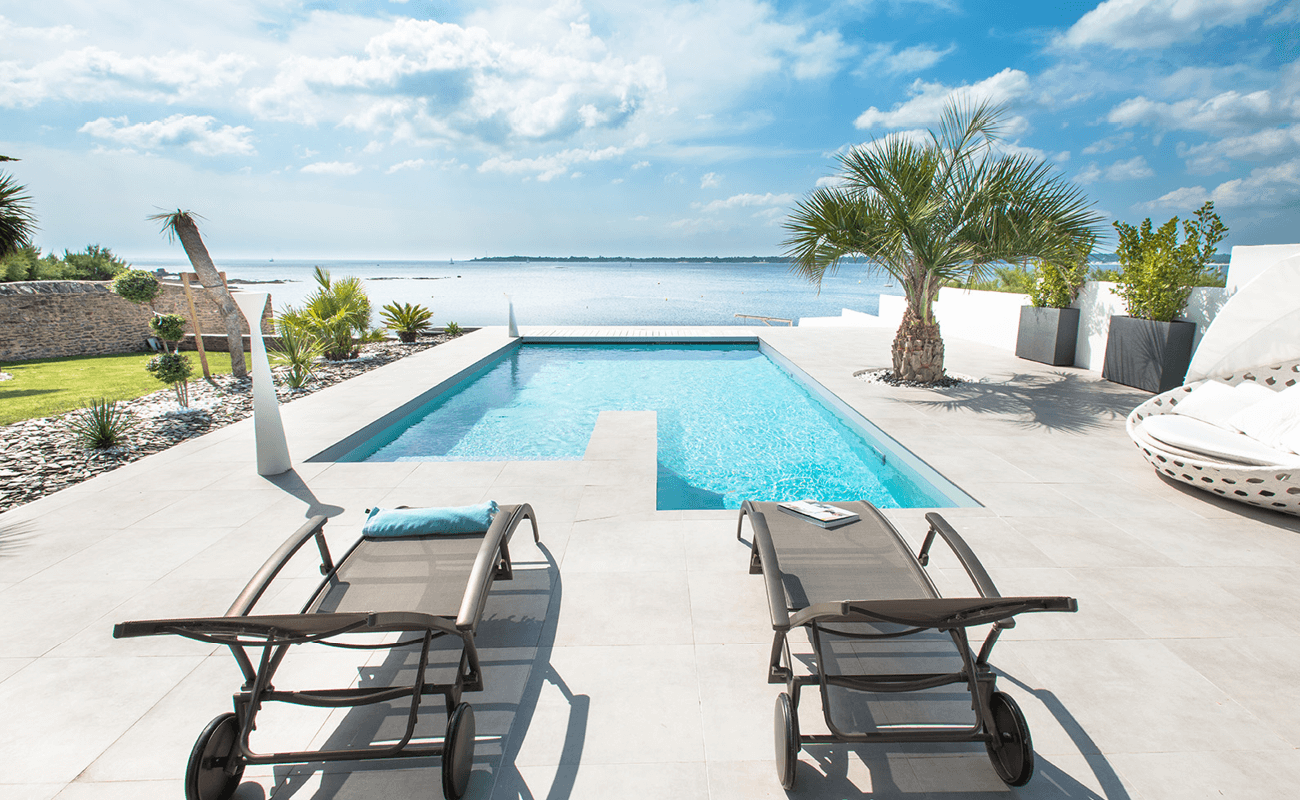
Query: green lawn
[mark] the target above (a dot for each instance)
(50, 386)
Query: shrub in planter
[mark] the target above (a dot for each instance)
(1150, 349)
(1049, 329)
(406, 320)
(175, 369)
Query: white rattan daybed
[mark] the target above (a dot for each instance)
(1260, 324)
(1270, 486)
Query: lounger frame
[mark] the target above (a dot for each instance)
(274, 635)
(950, 615)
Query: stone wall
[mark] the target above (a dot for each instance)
(49, 319)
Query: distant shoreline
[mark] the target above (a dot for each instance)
(627, 260)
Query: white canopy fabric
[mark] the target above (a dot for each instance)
(1258, 326)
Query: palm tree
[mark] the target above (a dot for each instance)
(16, 220)
(180, 225)
(937, 210)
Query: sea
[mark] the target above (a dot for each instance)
(476, 293)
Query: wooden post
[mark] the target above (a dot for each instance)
(194, 320)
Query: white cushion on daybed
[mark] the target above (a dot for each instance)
(1198, 436)
(1271, 419)
(1216, 402)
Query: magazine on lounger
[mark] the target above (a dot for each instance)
(821, 514)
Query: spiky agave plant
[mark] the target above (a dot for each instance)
(406, 320)
(297, 350)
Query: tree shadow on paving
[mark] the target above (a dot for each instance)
(14, 537)
(1061, 401)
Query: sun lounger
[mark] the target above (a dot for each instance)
(878, 628)
(414, 589)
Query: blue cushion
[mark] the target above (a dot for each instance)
(421, 521)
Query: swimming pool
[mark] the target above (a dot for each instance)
(732, 425)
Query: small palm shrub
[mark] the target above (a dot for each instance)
(406, 320)
(101, 424)
(453, 329)
(138, 286)
(336, 315)
(175, 369)
(170, 328)
(298, 351)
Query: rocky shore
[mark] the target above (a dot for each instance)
(42, 456)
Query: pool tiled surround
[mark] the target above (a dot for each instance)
(635, 667)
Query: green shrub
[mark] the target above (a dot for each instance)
(1157, 272)
(102, 424)
(95, 264)
(406, 320)
(297, 350)
(138, 286)
(169, 327)
(1057, 284)
(453, 329)
(1104, 274)
(175, 369)
(1005, 279)
(21, 265)
(335, 315)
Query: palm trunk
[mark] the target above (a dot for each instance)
(917, 350)
(188, 233)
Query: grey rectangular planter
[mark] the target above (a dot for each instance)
(1048, 335)
(1146, 354)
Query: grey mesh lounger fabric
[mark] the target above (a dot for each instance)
(411, 590)
(888, 651)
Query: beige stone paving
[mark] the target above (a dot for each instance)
(636, 667)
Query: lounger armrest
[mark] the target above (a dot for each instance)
(257, 585)
(489, 553)
(978, 575)
(285, 626)
(776, 601)
(943, 613)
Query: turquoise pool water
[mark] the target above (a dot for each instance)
(732, 425)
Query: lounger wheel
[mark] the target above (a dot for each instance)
(787, 740)
(206, 777)
(1013, 754)
(458, 752)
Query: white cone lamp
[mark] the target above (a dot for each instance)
(512, 330)
(268, 429)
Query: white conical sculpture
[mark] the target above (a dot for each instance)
(268, 429)
(512, 330)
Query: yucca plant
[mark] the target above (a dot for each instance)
(406, 320)
(297, 350)
(102, 424)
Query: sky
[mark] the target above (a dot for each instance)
(434, 130)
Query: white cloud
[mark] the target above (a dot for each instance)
(1154, 24)
(416, 164)
(92, 74)
(830, 180)
(1266, 187)
(819, 56)
(1109, 143)
(332, 168)
(1211, 157)
(747, 201)
(916, 58)
(179, 130)
(551, 166)
(1127, 170)
(929, 99)
(710, 180)
(426, 78)
(1225, 112)
(641, 165)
